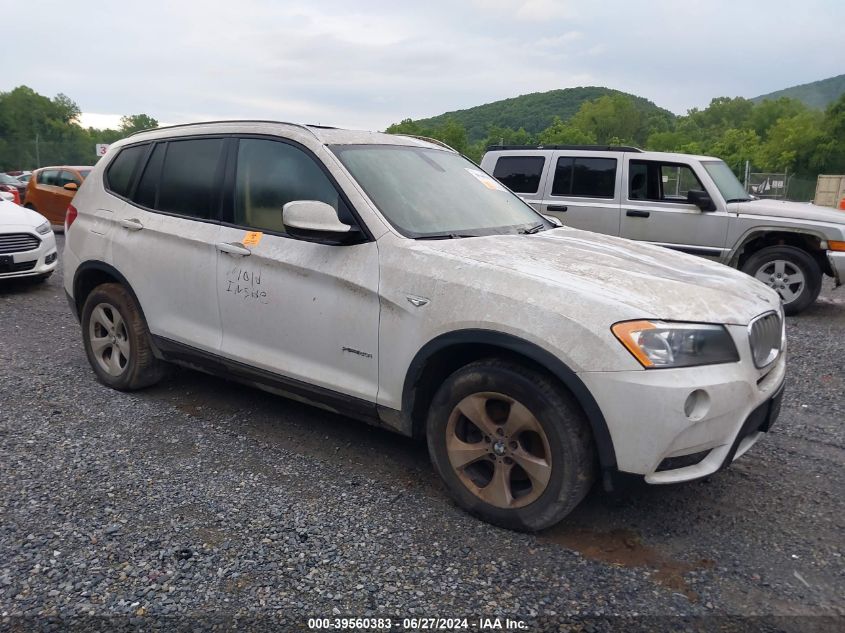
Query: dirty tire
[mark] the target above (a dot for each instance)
(793, 259)
(561, 430)
(141, 368)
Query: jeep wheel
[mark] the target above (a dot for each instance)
(512, 447)
(117, 341)
(793, 273)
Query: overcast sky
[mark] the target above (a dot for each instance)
(367, 63)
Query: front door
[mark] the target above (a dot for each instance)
(304, 312)
(656, 209)
(583, 192)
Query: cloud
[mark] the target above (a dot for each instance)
(370, 63)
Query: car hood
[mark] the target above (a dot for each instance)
(649, 281)
(786, 209)
(13, 214)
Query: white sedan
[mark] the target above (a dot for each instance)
(27, 243)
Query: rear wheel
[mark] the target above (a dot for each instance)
(512, 447)
(117, 341)
(792, 272)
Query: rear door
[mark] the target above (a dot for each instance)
(164, 241)
(583, 191)
(306, 312)
(656, 208)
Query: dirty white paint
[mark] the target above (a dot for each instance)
(352, 318)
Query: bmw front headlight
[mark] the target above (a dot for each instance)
(43, 229)
(659, 344)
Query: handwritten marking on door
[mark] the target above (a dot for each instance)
(246, 284)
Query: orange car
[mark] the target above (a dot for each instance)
(51, 189)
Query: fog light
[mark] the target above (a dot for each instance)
(51, 258)
(697, 405)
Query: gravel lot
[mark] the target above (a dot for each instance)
(200, 501)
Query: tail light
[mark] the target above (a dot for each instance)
(70, 216)
(16, 196)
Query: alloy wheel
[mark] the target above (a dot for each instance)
(499, 450)
(109, 339)
(784, 277)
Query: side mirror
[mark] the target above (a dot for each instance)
(317, 221)
(71, 186)
(701, 199)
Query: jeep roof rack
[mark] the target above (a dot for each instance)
(604, 148)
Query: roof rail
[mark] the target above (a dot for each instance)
(604, 148)
(180, 125)
(428, 139)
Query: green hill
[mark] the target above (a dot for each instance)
(816, 94)
(534, 112)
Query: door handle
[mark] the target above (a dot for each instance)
(636, 213)
(233, 248)
(133, 224)
(557, 207)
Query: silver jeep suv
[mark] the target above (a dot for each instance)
(693, 204)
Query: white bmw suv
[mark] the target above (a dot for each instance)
(390, 279)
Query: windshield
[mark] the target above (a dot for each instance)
(426, 192)
(728, 184)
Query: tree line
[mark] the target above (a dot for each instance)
(774, 135)
(36, 131)
(780, 135)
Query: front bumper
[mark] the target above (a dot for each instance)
(39, 261)
(837, 265)
(657, 435)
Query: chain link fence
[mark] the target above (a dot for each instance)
(780, 186)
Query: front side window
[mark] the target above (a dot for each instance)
(49, 177)
(66, 177)
(119, 173)
(189, 179)
(269, 175)
(582, 177)
(431, 193)
(520, 174)
(661, 182)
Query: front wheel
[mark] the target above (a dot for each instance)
(512, 447)
(792, 272)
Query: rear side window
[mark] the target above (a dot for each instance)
(119, 173)
(585, 177)
(520, 174)
(189, 179)
(49, 177)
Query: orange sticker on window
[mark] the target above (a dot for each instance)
(252, 238)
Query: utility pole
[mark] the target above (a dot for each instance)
(37, 155)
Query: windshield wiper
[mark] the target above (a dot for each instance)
(444, 236)
(533, 229)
